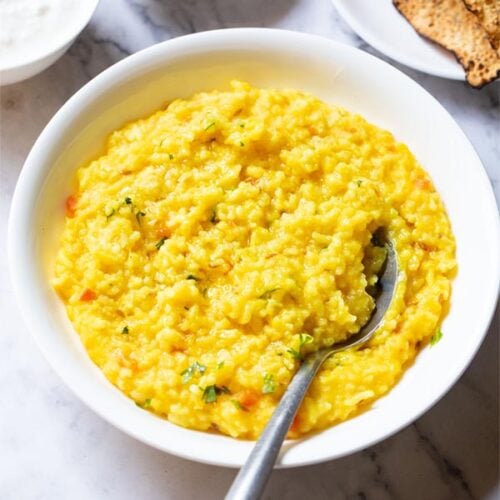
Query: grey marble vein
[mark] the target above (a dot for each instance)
(54, 448)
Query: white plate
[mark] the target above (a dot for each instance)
(141, 84)
(381, 25)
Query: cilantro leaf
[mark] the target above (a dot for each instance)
(138, 216)
(213, 216)
(210, 394)
(267, 294)
(436, 337)
(304, 339)
(269, 385)
(295, 354)
(188, 373)
(238, 405)
(160, 243)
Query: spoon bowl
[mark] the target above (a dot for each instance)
(253, 476)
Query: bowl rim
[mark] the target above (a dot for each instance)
(79, 27)
(25, 191)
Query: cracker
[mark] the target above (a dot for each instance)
(450, 24)
(488, 13)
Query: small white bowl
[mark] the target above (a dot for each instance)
(41, 58)
(142, 83)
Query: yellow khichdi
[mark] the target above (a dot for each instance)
(218, 241)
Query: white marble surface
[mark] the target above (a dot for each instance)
(52, 447)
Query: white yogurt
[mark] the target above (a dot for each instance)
(32, 28)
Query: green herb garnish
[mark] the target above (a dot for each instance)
(188, 373)
(242, 125)
(138, 216)
(436, 337)
(242, 143)
(171, 156)
(192, 277)
(159, 244)
(220, 365)
(128, 201)
(269, 385)
(238, 405)
(125, 330)
(359, 182)
(147, 402)
(113, 211)
(213, 216)
(210, 125)
(211, 392)
(295, 354)
(267, 294)
(304, 339)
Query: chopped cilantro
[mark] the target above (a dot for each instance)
(305, 339)
(210, 125)
(242, 125)
(210, 394)
(359, 182)
(147, 402)
(171, 156)
(128, 201)
(138, 216)
(242, 143)
(192, 277)
(159, 244)
(295, 354)
(220, 365)
(269, 385)
(267, 294)
(238, 405)
(436, 337)
(188, 373)
(213, 216)
(125, 330)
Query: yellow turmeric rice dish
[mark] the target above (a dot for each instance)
(218, 241)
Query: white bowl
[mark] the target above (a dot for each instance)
(42, 56)
(140, 84)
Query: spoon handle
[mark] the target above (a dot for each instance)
(253, 476)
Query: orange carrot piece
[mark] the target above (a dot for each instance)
(88, 295)
(71, 203)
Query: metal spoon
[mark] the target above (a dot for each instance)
(252, 478)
